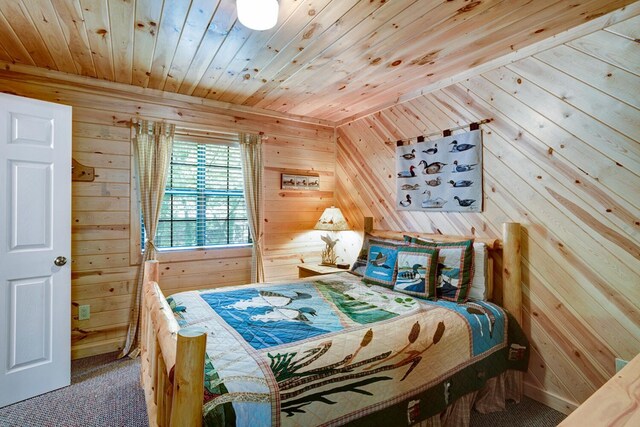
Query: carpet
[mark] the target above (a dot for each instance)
(103, 392)
(527, 413)
(106, 392)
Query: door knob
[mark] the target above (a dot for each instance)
(60, 261)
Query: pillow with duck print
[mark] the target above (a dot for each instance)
(381, 264)
(417, 269)
(455, 267)
(360, 265)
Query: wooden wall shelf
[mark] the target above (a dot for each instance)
(80, 172)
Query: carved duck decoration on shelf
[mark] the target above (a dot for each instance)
(434, 182)
(460, 147)
(409, 156)
(406, 202)
(407, 174)
(463, 183)
(432, 150)
(462, 168)
(464, 202)
(431, 168)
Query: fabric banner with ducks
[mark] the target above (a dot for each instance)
(443, 175)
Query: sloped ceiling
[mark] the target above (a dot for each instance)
(328, 59)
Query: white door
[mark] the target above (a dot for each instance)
(35, 229)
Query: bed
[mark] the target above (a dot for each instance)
(329, 350)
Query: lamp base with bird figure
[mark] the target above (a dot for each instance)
(329, 257)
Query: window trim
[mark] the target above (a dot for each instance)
(178, 253)
(200, 253)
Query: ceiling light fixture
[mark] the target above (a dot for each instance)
(258, 14)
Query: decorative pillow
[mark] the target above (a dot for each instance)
(478, 289)
(455, 267)
(417, 268)
(381, 264)
(360, 265)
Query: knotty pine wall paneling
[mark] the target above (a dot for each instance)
(561, 156)
(103, 269)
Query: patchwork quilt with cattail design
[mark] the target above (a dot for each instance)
(332, 350)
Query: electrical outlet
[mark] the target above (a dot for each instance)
(84, 312)
(620, 363)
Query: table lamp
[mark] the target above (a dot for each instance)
(331, 220)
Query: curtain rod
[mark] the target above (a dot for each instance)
(181, 129)
(446, 132)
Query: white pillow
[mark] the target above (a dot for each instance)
(478, 289)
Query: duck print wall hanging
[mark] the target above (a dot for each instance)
(443, 175)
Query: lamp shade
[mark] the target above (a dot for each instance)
(258, 14)
(332, 220)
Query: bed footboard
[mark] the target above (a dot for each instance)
(172, 360)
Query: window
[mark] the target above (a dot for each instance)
(204, 200)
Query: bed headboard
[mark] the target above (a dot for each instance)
(507, 248)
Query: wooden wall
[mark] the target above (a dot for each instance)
(103, 266)
(561, 156)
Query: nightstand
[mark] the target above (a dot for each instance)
(308, 270)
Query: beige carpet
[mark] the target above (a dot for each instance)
(103, 392)
(106, 392)
(527, 413)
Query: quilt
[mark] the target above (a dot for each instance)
(331, 350)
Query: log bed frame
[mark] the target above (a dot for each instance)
(172, 358)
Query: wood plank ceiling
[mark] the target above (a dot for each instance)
(328, 59)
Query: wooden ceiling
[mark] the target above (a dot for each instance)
(327, 59)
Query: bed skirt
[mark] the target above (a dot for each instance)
(491, 398)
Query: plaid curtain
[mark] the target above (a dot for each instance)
(152, 147)
(251, 150)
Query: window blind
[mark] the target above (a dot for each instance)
(204, 201)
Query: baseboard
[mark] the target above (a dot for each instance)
(100, 347)
(549, 399)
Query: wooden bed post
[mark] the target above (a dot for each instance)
(172, 360)
(188, 390)
(150, 274)
(368, 224)
(512, 270)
